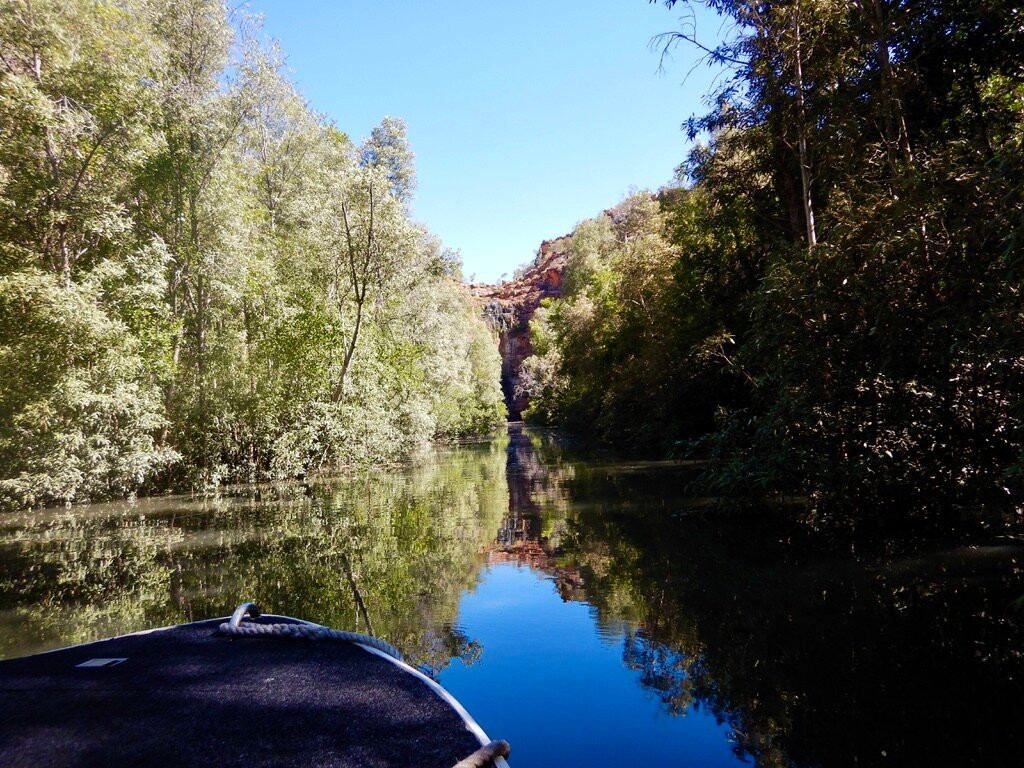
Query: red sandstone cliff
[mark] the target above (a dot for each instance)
(508, 308)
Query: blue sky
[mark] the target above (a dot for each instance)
(525, 116)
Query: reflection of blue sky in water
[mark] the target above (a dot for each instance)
(553, 685)
(815, 655)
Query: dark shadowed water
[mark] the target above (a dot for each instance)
(586, 609)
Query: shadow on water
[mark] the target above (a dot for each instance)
(811, 654)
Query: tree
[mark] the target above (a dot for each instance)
(202, 233)
(388, 148)
(78, 283)
(830, 305)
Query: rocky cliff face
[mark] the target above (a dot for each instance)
(508, 308)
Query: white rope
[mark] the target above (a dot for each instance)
(485, 756)
(307, 632)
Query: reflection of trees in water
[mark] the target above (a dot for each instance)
(812, 656)
(395, 548)
(812, 659)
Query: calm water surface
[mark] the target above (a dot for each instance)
(586, 609)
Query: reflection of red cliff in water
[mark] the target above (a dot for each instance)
(533, 555)
(509, 307)
(521, 539)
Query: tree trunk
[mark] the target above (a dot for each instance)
(339, 389)
(897, 135)
(356, 595)
(806, 170)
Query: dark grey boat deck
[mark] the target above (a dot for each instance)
(187, 696)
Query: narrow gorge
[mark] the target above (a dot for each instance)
(508, 308)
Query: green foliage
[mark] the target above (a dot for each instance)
(77, 408)
(216, 282)
(834, 302)
(634, 350)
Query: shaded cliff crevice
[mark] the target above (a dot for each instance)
(509, 307)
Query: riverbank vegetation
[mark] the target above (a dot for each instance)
(829, 305)
(202, 279)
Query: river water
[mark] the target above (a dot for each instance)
(585, 608)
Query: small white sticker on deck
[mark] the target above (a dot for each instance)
(100, 663)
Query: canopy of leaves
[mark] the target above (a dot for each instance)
(833, 302)
(201, 279)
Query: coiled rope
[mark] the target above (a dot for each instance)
(235, 628)
(486, 755)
